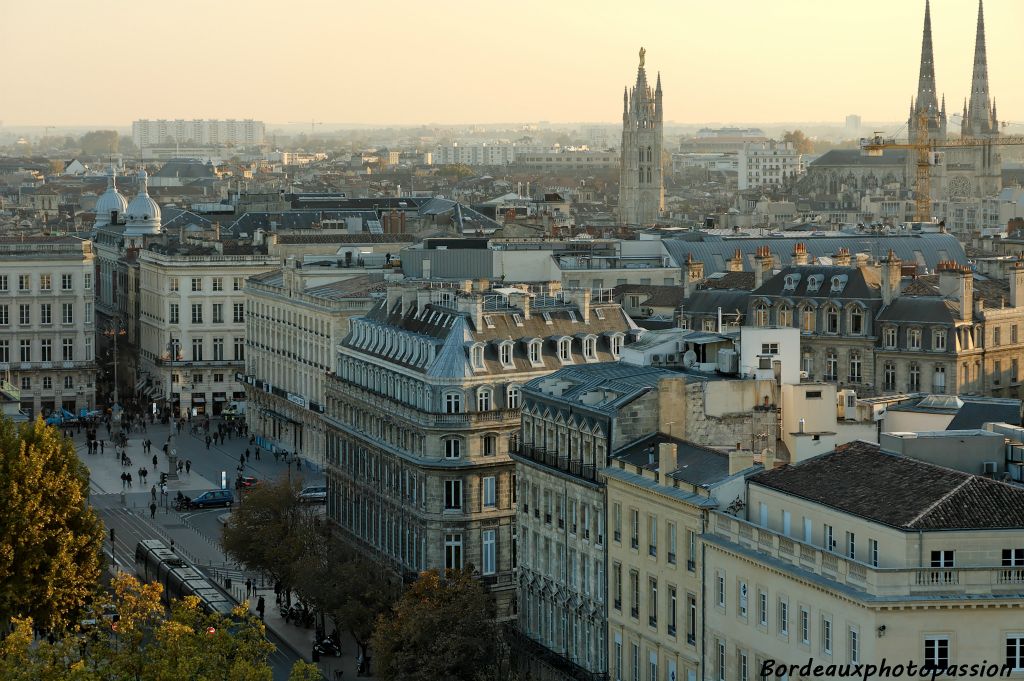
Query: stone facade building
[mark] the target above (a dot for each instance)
(295, 320)
(572, 420)
(47, 327)
(192, 330)
(424, 411)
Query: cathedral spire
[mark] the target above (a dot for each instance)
(979, 113)
(926, 78)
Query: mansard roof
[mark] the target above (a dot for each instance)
(861, 283)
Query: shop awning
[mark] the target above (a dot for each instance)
(219, 398)
(198, 399)
(140, 384)
(281, 417)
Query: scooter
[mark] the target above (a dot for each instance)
(328, 648)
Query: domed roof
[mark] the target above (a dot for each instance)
(143, 213)
(109, 201)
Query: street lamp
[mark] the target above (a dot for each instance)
(115, 327)
(173, 355)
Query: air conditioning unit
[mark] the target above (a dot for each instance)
(988, 467)
(764, 362)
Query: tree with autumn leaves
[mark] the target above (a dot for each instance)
(50, 537)
(145, 644)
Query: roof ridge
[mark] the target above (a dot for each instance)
(940, 500)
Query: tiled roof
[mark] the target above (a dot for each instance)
(901, 492)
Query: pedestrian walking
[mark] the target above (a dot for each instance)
(257, 453)
(141, 476)
(247, 453)
(152, 493)
(152, 510)
(155, 462)
(207, 441)
(129, 479)
(260, 607)
(241, 460)
(248, 587)
(103, 447)
(124, 479)
(188, 467)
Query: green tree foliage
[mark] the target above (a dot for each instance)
(50, 538)
(801, 142)
(99, 142)
(271, 531)
(146, 645)
(441, 628)
(350, 589)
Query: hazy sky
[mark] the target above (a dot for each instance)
(460, 61)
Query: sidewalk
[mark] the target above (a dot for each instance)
(197, 546)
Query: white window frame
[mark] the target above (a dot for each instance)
(489, 494)
(935, 642)
(453, 559)
(453, 448)
(488, 542)
(453, 497)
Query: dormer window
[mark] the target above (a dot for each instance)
(839, 283)
(477, 353)
(616, 345)
(831, 319)
(856, 321)
(517, 318)
(590, 348)
(814, 282)
(505, 355)
(791, 282)
(547, 317)
(565, 350)
(489, 321)
(535, 353)
(599, 313)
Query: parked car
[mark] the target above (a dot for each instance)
(249, 481)
(314, 495)
(215, 497)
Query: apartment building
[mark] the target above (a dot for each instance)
(811, 565)
(192, 322)
(47, 330)
(425, 409)
(572, 419)
(768, 164)
(198, 132)
(660, 492)
(296, 318)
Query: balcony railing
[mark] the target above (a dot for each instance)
(877, 581)
(552, 459)
(426, 419)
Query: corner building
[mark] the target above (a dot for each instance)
(425, 409)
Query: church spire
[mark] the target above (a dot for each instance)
(979, 113)
(926, 78)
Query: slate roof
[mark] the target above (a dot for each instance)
(853, 157)
(623, 383)
(657, 296)
(694, 464)
(185, 169)
(708, 302)
(924, 250)
(984, 288)
(862, 283)
(920, 309)
(362, 238)
(901, 492)
(737, 281)
(971, 412)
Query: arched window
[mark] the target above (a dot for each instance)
(856, 320)
(535, 353)
(641, 176)
(649, 156)
(483, 399)
(785, 315)
(590, 347)
(453, 448)
(761, 314)
(565, 350)
(478, 356)
(616, 345)
(648, 174)
(453, 403)
(831, 319)
(505, 355)
(807, 319)
(913, 339)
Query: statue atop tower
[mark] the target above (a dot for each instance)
(641, 174)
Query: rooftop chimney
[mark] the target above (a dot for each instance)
(841, 258)
(890, 278)
(667, 459)
(740, 460)
(799, 254)
(736, 261)
(762, 265)
(693, 275)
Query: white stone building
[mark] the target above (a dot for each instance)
(47, 330)
(768, 164)
(247, 132)
(641, 180)
(294, 325)
(192, 324)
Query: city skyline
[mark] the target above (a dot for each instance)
(565, 79)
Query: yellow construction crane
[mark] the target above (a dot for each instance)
(926, 156)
